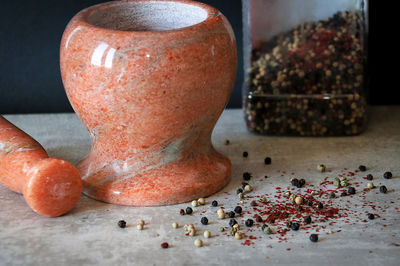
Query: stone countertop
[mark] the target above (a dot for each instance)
(89, 235)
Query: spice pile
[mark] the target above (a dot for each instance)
(309, 81)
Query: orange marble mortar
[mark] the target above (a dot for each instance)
(149, 80)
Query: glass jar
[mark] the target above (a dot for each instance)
(304, 64)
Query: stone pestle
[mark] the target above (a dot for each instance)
(51, 187)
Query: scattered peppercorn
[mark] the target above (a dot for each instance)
(263, 227)
(238, 209)
(122, 224)
(371, 216)
(320, 205)
(321, 168)
(164, 245)
(383, 189)
(351, 190)
(259, 219)
(248, 188)
(267, 160)
(370, 185)
(253, 203)
(302, 182)
(239, 190)
(307, 219)
(232, 222)
(198, 243)
(139, 226)
(182, 212)
(314, 238)
(221, 213)
(289, 224)
(249, 222)
(344, 194)
(207, 234)
(195, 203)
(201, 201)
(294, 182)
(244, 184)
(362, 168)
(267, 230)
(227, 142)
(231, 214)
(370, 177)
(238, 235)
(204, 220)
(189, 210)
(332, 195)
(246, 176)
(298, 200)
(295, 226)
(175, 225)
(245, 154)
(214, 203)
(387, 175)
(336, 182)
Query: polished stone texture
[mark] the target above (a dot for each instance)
(89, 234)
(51, 187)
(149, 80)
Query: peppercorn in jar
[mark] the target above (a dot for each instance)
(304, 64)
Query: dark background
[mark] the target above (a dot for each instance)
(30, 35)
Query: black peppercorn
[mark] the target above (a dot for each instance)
(244, 184)
(289, 224)
(267, 160)
(371, 216)
(344, 194)
(295, 226)
(238, 209)
(314, 238)
(231, 214)
(246, 176)
(302, 182)
(232, 222)
(204, 220)
(245, 154)
(294, 182)
(320, 205)
(189, 210)
(214, 203)
(351, 190)
(332, 195)
(259, 219)
(387, 175)
(383, 189)
(239, 190)
(122, 224)
(370, 177)
(307, 219)
(362, 168)
(249, 222)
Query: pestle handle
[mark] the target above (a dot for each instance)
(51, 187)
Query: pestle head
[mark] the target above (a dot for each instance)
(53, 187)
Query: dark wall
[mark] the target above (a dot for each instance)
(30, 34)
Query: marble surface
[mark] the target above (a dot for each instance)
(88, 235)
